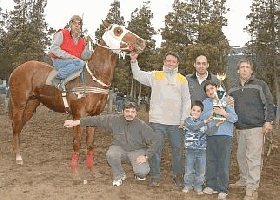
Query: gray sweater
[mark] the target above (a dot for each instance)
(197, 90)
(129, 135)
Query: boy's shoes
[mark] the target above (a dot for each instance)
(140, 177)
(119, 181)
(238, 183)
(209, 190)
(198, 191)
(154, 182)
(251, 195)
(222, 196)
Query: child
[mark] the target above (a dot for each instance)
(195, 143)
(218, 150)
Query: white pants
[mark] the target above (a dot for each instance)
(249, 152)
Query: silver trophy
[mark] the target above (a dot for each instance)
(220, 101)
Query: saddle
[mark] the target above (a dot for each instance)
(53, 73)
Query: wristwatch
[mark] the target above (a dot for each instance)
(272, 122)
(146, 156)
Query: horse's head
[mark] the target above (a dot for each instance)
(118, 38)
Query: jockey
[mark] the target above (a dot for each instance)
(69, 51)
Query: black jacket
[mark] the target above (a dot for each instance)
(253, 103)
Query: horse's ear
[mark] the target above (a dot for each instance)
(106, 24)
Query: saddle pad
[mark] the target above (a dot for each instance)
(54, 72)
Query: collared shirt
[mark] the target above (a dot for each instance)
(201, 79)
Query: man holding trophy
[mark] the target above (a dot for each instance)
(218, 151)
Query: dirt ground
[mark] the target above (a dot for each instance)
(46, 175)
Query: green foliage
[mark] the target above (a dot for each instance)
(264, 46)
(195, 29)
(26, 36)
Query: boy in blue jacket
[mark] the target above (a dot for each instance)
(195, 144)
(219, 145)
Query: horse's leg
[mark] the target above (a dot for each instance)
(89, 143)
(76, 149)
(20, 116)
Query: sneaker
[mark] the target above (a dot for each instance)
(222, 196)
(186, 190)
(251, 195)
(178, 180)
(119, 181)
(209, 190)
(238, 183)
(198, 191)
(154, 182)
(140, 177)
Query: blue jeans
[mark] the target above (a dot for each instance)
(119, 105)
(66, 67)
(195, 169)
(218, 154)
(174, 136)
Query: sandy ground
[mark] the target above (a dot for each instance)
(46, 149)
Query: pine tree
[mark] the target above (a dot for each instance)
(27, 35)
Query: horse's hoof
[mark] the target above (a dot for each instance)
(19, 162)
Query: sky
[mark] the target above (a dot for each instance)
(94, 12)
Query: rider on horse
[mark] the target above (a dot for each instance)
(69, 51)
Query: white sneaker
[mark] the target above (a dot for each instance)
(222, 196)
(119, 182)
(209, 190)
(186, 190)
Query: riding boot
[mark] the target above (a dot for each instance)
(55, 81)
(58, 83)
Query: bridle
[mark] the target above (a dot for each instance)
(111, 42)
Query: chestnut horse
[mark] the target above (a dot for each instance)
(85, 96)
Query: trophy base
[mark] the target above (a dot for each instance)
(219, 118)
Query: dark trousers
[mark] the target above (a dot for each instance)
(218, 154)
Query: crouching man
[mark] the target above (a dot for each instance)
(133, 141)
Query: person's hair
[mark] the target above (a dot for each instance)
(200, 56)
(176, 55)
(76, 17)
(209, 82)
(130, 104)
(197, 103)
(246, 60)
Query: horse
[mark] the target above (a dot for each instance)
(86, 94)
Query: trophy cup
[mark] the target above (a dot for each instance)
(220, 101)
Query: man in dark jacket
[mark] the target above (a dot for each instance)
(133, 141)
(254, 107)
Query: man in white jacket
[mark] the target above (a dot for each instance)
(169, 106)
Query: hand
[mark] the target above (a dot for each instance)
(141, 159)
(71, 123)
(230, 100)
(267, 127)
(209, 119)
(181, 124)
(88, 39)
(220, 111)
(133, 56)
